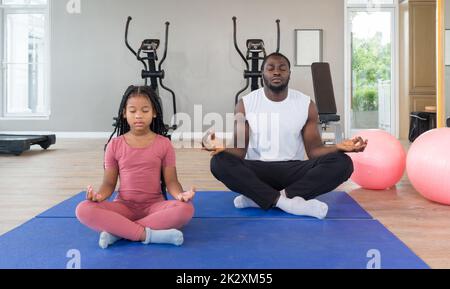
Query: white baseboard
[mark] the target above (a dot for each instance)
(176, 136)
(186, 136)
(62, 135)
(85, 135)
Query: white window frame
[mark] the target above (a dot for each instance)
(18, 9)
(395, 107)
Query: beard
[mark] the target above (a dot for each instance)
(276, 88)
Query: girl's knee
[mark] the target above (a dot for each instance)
(84, 210)
(187, 210)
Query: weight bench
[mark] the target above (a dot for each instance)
(325, 101)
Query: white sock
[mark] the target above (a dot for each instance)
(107, 239)
(242, 202)
(172, 236)
(298, 206)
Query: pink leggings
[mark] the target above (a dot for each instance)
(129, 223)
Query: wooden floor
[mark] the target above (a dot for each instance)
(38, 180)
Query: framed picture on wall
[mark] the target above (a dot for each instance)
(447, 47)
(308, 46)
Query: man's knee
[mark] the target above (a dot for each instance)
(345, 164)
(340, 163)
(218, 164)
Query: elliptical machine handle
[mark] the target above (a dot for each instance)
(131, 48)
(166, 41)
(236, 45)
(174, 125)
(278, 35)
(126, 36)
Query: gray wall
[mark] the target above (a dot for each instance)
(91, 66)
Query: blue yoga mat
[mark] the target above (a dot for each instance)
(220, 205)
(213, 244)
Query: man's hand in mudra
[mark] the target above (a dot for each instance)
(211, 144)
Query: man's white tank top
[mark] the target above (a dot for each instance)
(275, 127)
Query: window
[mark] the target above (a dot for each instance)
(25, 58)
(371, 61)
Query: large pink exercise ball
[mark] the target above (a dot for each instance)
(382, 163)
(428, 165)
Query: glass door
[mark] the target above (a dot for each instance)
(372, 97)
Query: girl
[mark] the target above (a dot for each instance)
(139, 155)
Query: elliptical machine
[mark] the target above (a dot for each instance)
(256, 52)
(150, 72)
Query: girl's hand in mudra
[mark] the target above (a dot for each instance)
(187, 196)
(93, 196)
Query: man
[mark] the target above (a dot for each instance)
(277, 126)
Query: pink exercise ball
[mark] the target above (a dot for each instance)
(428, 165)
(382, 163)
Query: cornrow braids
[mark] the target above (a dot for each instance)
(122, 127)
